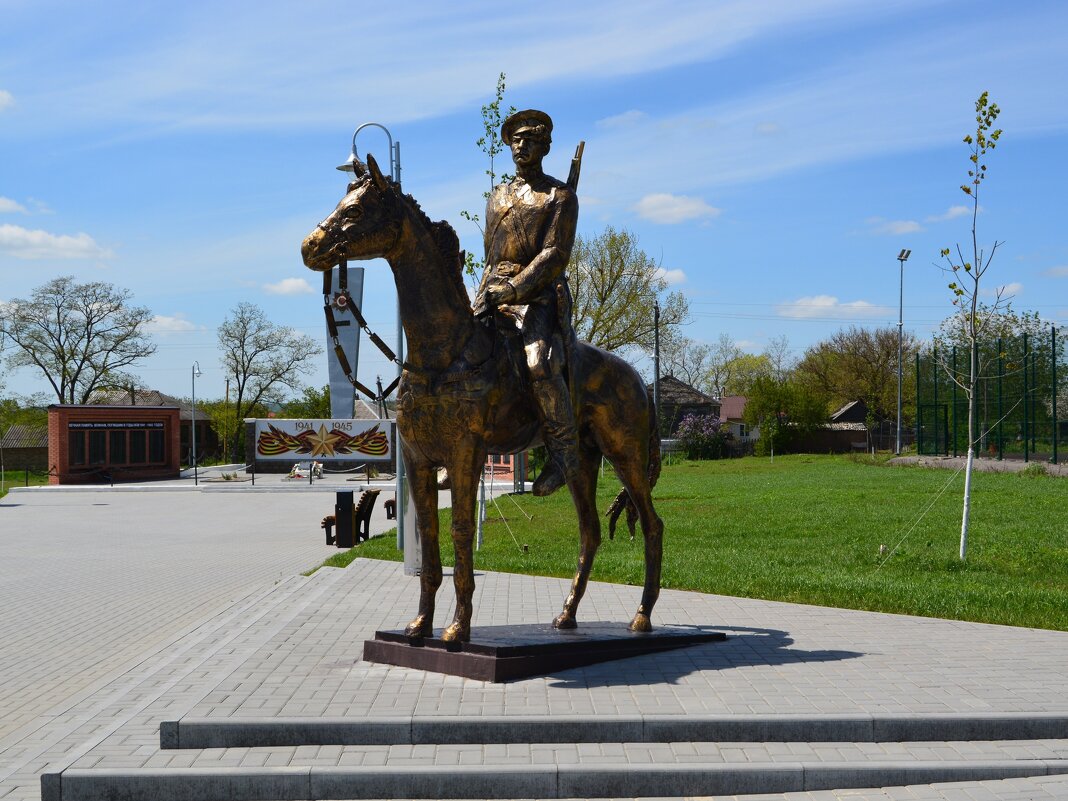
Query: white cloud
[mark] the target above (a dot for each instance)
(1012, 289)
(1058, 272)
(6, 100)
(950, 214)
(23, 243)
(819, 306)
(9, 206)
(767, 128)
(289, 286)
(668, 209)
(162, 324)
(1006, 291)
(880, 225)
(624, 120)
(673, 277)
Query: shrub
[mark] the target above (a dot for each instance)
(703, 436)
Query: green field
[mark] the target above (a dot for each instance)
(18, 478)
(808, 529)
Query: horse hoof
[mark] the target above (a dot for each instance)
(641, 622)
(565, 621)
(456, 633)
(420, 627)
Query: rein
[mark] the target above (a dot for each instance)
(342, 302)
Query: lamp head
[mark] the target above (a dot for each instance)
(904, 255)
(196, 370)
(354, 165)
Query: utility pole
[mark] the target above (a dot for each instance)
(902, 257)
(656, 363)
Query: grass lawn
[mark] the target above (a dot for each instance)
(808, 529)
(17, 478)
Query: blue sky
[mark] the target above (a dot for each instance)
(774, 156)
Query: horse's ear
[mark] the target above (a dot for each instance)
(376, 174)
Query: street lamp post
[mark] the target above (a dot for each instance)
(410, 546)
(902, 257)
(193, 422)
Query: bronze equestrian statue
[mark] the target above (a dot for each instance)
(466, 390)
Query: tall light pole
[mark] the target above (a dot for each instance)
(902, 257)
(193, 422)
(411, 549)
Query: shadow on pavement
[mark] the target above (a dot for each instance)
(745, 646)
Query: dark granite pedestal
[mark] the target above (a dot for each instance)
(506, 653)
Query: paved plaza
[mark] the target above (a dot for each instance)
(125, 609)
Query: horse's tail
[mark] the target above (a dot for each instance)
(623, 500)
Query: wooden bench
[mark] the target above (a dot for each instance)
(359, 528)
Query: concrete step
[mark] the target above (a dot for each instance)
(219, 732)
(585, 779)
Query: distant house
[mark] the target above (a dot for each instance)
(25, 447)
(207, 440)
(678, 399)
(732, 411)
(845, 431)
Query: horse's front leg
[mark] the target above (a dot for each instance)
(464, 472)
(584, 494)
(423, 482)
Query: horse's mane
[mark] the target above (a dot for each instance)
(447, 243)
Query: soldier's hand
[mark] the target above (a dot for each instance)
(500, 294)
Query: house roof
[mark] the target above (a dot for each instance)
(20, 435)
(672, 390)
(145, 397)
(853, 412)
(732, 407)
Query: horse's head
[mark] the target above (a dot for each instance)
(365, 224)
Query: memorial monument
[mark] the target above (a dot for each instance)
(503, 376)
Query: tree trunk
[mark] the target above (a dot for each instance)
(971, 451)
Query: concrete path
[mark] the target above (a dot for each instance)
(125, 609)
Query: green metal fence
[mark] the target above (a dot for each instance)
(1022, 397)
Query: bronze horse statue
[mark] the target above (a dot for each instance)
(463, 394)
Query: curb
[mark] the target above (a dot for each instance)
(202, 733)
(535, 781)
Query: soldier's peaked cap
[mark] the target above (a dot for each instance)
(537, 122)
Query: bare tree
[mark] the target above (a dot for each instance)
(615, 286)
(779, 358)
(967, 275)
(263, 358)
(722, 360)
(80, 336)
(686, 359)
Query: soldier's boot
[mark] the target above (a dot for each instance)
(561, 436)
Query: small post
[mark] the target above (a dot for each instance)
(27, 476)
(254, 472)
(1053, 375)
(953, 413)
(1001, 399)
(917, 403)
(934, 375)
(1026, 392)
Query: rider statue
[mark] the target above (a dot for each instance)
(530, 229)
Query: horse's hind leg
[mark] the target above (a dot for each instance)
(636, 481)
(423, 482)
(584, 493)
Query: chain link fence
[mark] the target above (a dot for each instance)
(1021, 398)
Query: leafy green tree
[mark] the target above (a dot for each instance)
(79, 336)
(967, 275)
(615, 286)
(743, 371)
(722, 359)
(312, 404)
(30, 411)
(860, 364)
(785, 411)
